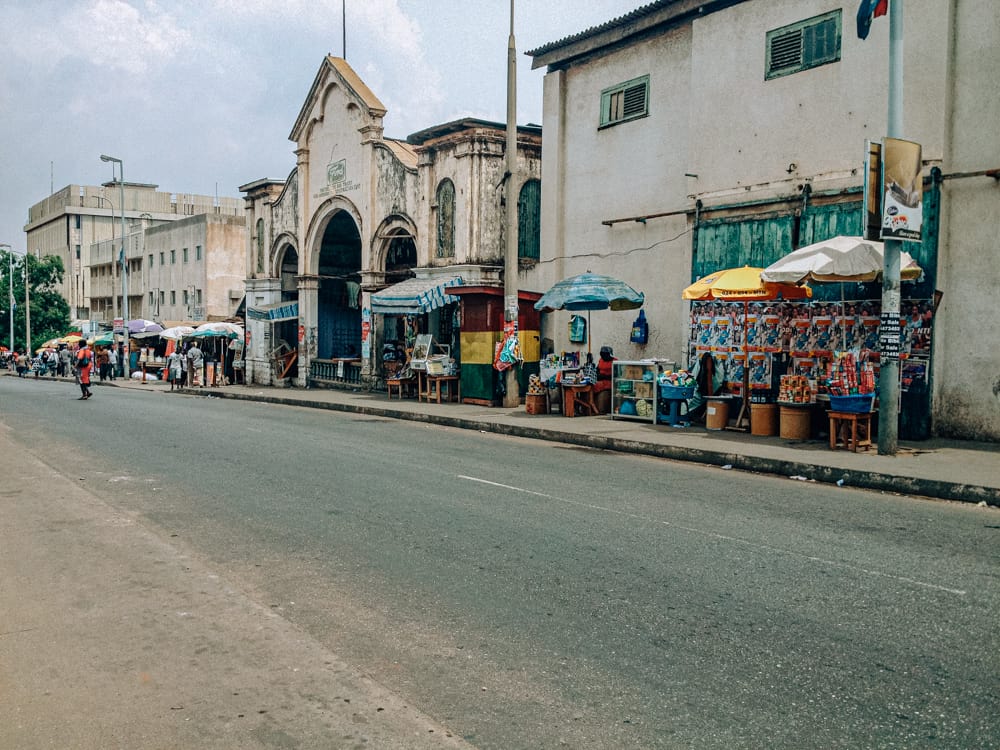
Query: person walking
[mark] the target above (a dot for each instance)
(53, 362)
(175, 369)
(113, 362)
(196, 361)
(84, 366)
(65, 362)
(103, 364)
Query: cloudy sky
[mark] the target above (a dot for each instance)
(199, 96)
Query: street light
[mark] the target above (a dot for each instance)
(121, 200)
(10, 291)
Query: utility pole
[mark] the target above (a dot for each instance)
(888, 417)
(512, 395)
(124, 260)
(10, 293)
(27, 309)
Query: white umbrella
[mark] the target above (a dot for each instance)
(176, 333)
(837, 259)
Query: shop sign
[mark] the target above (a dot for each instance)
(366, 330)
(302, 334)
(119, 326)
(903, 185)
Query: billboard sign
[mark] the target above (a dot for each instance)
(902, 199)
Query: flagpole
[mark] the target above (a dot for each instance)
(888, 422)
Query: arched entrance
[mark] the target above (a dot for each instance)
(284, 333)
(339, 294)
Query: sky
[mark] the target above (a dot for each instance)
(199, 96)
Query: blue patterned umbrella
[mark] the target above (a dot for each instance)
(590, 291)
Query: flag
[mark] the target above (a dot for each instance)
(867, 11)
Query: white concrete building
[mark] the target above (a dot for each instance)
(689, 136)
(79, 219)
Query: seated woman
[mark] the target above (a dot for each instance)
(602, 386)
(710, 379)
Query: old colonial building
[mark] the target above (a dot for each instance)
(686, 137)
(363, 238)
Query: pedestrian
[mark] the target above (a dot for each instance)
(84, 366)
(121, 360)
(103, 363)
(65, 361)
(174, 369)
(196, 360)
(53, 362)
(112, 362)
(22, 363)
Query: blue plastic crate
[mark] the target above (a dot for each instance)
(676, 391)
(855, 404)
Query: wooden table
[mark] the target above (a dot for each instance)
(578, 394)
(452, 387)
(403, 386)
(857, 429)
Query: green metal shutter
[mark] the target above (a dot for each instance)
(529, 221)
(733, 243)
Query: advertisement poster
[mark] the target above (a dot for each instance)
(760, 370)
(902, 198)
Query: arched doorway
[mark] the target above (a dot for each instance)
(339, 296)
(284, 333)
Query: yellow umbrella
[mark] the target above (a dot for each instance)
(71, 339)
(742, 285)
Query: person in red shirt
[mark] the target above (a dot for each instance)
(602, 388)
(84, 366)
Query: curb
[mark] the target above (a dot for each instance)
(870, 480)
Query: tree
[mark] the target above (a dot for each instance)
(49, 311)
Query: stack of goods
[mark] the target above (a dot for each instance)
(846, 376)
(676, 378)
(535, 386)
(795, 389)
(851, 383)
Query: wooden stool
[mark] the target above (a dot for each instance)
(857, 429)
(579, 394)
(405, 387)
(452, 386)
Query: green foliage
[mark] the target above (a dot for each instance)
(49, 311)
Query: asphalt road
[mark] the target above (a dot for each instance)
(530, 595)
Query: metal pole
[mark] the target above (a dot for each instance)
(512, 395)
(10, 293)
(888, 418)
(124, 260)
(27, 309)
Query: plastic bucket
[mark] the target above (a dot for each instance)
(796, 422)
(716, 415)
(764, 419)
(535, 403)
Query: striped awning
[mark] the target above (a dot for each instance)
(275, 312)
(415, 296)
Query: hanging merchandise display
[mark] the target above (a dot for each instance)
(577, 329)
(640, 329)
(508, 351)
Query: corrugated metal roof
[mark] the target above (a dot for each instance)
(614, 23)
(402, 151)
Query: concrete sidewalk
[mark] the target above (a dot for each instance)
(938, 468)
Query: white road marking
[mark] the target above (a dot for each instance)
(721, 537)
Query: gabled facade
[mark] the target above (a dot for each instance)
(359, 213)
(687, 136)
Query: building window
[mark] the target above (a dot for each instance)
(803, 45)
(626, 101)
(78, 252)
(161, 258)
(197, 252)
(446, 219)
(163, 296)
(173, 257)
(186, 301)
(150, 260)
(173, 297)
(529, 227)
(197, 296)
(150, 300)
(184, 255)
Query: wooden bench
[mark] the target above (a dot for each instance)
(857, 429)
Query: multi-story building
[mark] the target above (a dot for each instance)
(78, 218)
(694, 135)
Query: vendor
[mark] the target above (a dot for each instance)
(710, 380)
(602, 388)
